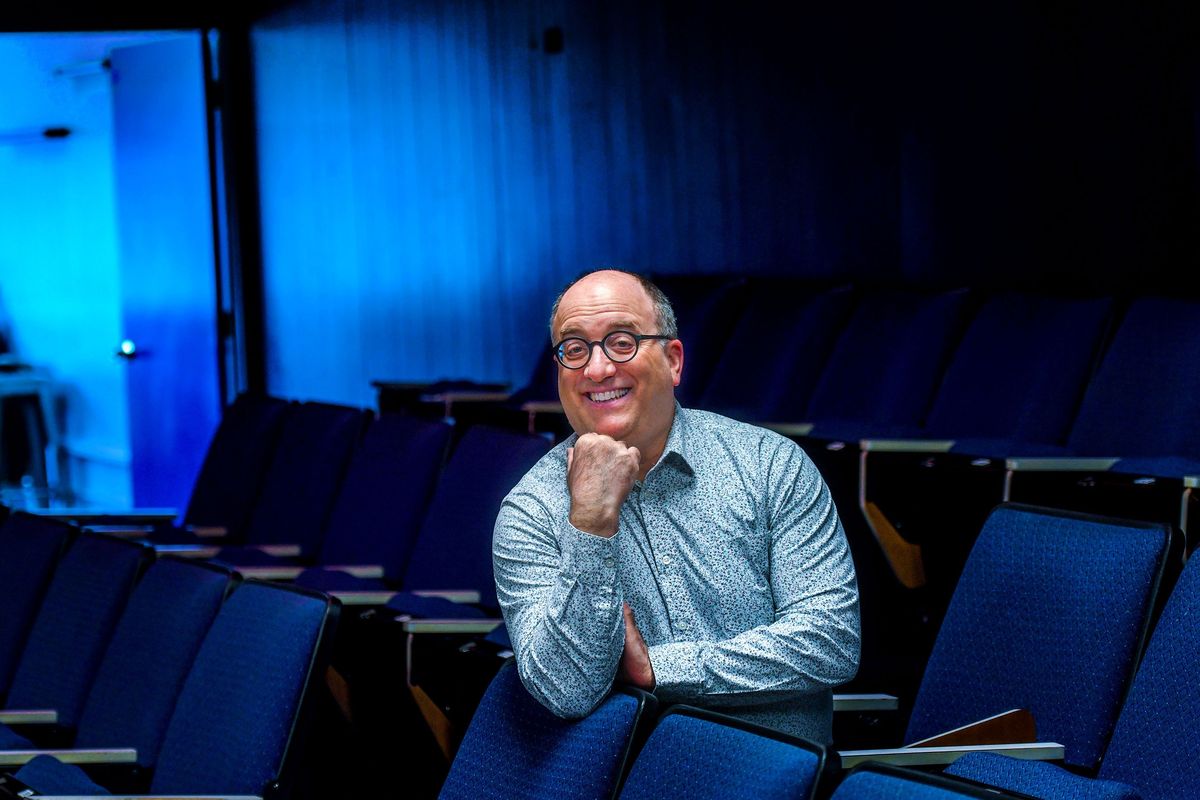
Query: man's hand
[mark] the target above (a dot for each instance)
(635, 668)
(600, 474)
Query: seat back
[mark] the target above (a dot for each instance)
(152, 649)
(1021, 368)
(86, 596)
(874, 781)
(387, 488)
(700, 755)
(29, 549)
(234, 466)
(454, 548)
(237, 725)
(1050, 615)
(1141, 401)
(305, 473)
(1155, 741)
(515, 747)
(706, 308)
(888, 360)
(776, 351)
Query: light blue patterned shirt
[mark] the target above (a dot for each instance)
(733, 559)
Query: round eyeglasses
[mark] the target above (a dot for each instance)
(619, 346)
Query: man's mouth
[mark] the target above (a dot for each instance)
(604, 397)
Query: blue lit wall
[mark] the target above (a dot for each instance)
(58, 251)
(430, 174)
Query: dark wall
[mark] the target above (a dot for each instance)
(432, 172)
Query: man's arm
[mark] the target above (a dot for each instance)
(557, 584)
(813, 642)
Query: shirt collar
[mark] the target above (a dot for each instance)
(675, 454)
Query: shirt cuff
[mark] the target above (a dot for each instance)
(678, 676)
(593, 559)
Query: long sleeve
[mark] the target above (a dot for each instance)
(812, 644)
(561, 600)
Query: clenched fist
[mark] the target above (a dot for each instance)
(600, 474)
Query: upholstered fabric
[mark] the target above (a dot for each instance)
(701, 759)
(514, 747)
(895, 784)
(454, 549)
(152, 649)
(1039, 779)
(86, 596)
(237, 458)
(432, 607)
(1048, 615)
(29, 549)
(231, 724)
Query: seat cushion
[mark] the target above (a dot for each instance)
(1037, 778)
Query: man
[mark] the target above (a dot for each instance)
(675, 550)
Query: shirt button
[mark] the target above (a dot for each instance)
(608, 562)
(666, 561)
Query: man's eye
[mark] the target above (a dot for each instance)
(622, 343)
(574, 349)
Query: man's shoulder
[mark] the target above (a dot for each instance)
(708, 424)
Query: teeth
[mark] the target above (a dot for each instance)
(600, 397)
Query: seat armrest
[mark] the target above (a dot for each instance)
(1007, 727)
(187, 550)
(865, 702)
(104, 755)
(458, 396)
(208, 531)
(149, 797)
(278, 550)
(1058, 464)
(542, 407)
(287, 572)
(790, 428)
(378, 598)
(906, 445)
(941, 756)
(474, 627)
(1191, 481)
(47, 716)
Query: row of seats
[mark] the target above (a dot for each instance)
(159, 674)
(624, 749)
(1052, 619)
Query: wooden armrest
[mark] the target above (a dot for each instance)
(940, 756)
(1060, 464)
(208, 531)
(542, 407)
(906, 445)
(187, 550)
(865, 702)
(110, 516)
(1008, 727)
(45, 716)
(453, 595)
(356, 597)
(790, 428)
(288, 572)
(477, 627)
(107, 755)
(902, 556)
(278, 550)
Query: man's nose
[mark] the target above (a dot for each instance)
(599, 365)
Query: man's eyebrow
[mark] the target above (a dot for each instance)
(620, 325)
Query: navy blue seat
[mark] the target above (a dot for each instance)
(380, 503)
(1050, 615)
(885, 782)
(302, 481)
(776, 351)
(706, 308)
(145, 664)
(515, 747)
(29, 549)
(1152, 751)
(235, 464)
(74, 625)
(703, 755)
(884, 370)
(239, 723)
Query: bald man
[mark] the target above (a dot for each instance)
(675, 550)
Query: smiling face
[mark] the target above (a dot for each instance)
(633, 402)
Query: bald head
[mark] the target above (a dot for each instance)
(664, 314)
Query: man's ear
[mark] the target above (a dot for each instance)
(675, 360)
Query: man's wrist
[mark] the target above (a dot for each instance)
(596, 524)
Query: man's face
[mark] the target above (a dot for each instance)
(634, 401)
